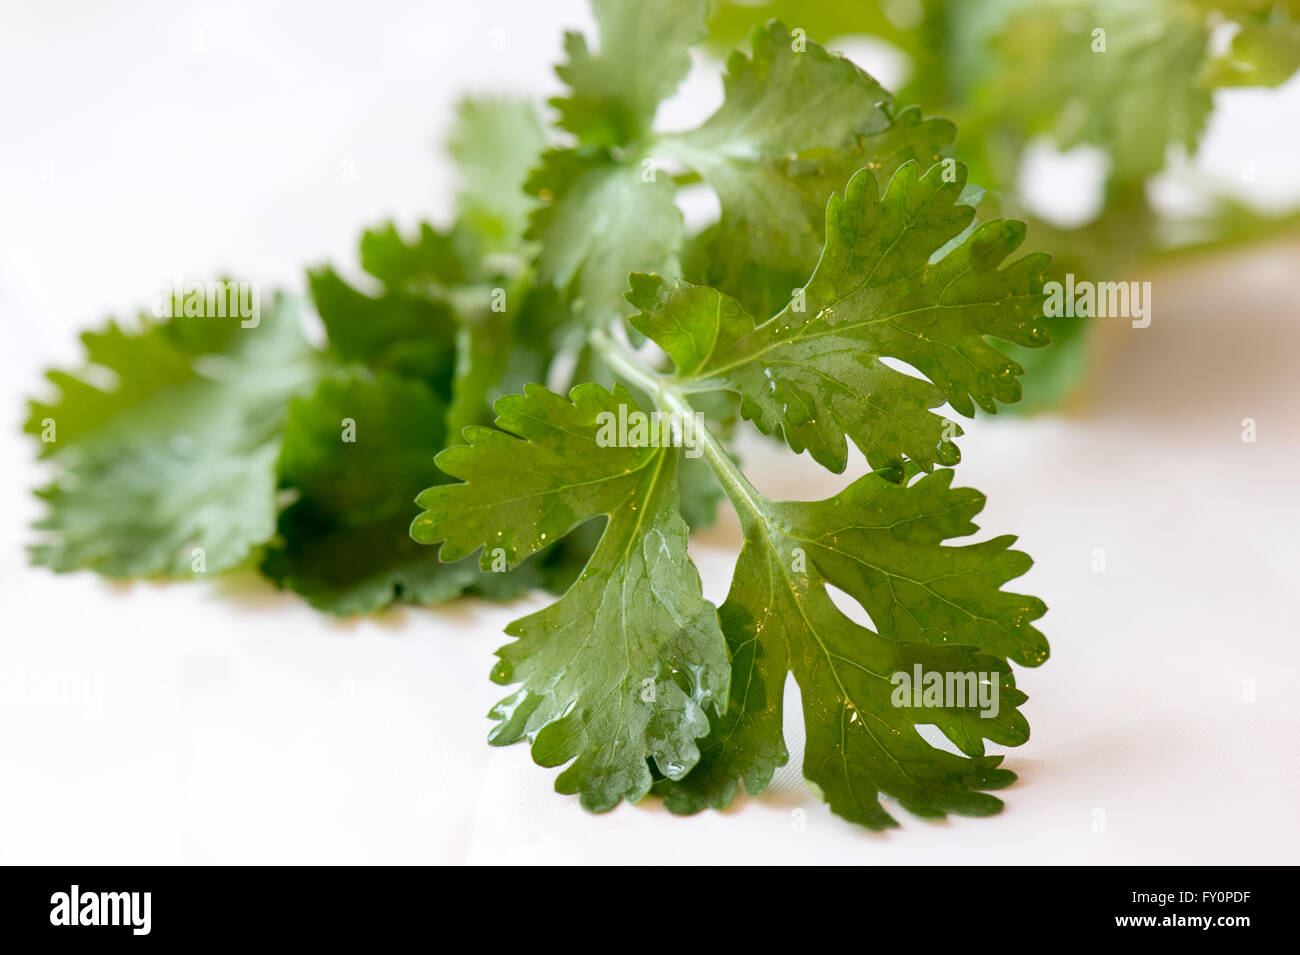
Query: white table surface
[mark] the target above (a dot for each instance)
(225, 722)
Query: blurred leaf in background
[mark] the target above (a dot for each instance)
(1133, 79)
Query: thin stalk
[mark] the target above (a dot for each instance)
(669, 396)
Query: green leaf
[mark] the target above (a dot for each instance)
(448, 315)
(505, 341)
(362, 446)
(168, 467)
(427, 267)
(483, 352)
(449, 333)
(796, 123)
(732, 21)
(495, 143)
(814, 372)
(1261, 54)
(410, 326)
(362, 570)
(398, 331)
(356, 453)
(1133, 99)
(644, 54)
(931, 605)
(533, 478)
(600, 220)
(624, 666)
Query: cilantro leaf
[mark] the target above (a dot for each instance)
(401, 331)
(795, 125)
(1140, 95)
(600, 220)
(428, 267)
(170, 468)
(507, 322)
(356, 452)
(732, 21)
(644, 54)
(1262, 53)
(814, 371)
(483, 352)
(446, 315)
(362, 570)
(1149, 87)
(934, 606)
(495, 143)
(505, 341)
(358, 443)
(533, 478)
(624, 666)
(451, 331)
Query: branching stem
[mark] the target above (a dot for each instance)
(670, 396)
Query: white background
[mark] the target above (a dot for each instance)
(228, 723)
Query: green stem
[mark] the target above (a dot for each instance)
(669, 396)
